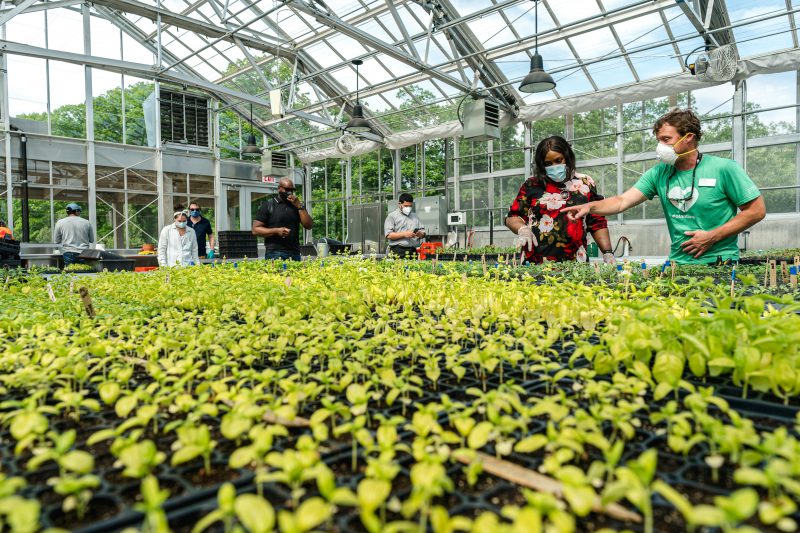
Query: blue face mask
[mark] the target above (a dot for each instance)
(557, 173)
(194, 213)
(180, 225)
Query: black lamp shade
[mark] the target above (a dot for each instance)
(537, 80)
(251, 148)
(357, 123)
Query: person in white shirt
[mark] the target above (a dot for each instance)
(177, 244)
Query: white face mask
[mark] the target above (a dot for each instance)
(406, 210)
(666, 153)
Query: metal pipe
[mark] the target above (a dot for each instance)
(23, 153)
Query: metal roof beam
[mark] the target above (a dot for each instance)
(125, 67)
(572, 29)
(696, 20)
(16, 10)
(44, 6)
(138, 35)
(467, 44)
(331, 20)
(194, 25)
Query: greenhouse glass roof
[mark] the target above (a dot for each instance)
(420, 57)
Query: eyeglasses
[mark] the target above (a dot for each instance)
(289, 190)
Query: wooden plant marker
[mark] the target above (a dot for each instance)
(773, 273)
(271, 418)
(514, 260)
(166, 279)
(50, 293)
(784, 272)
(483, 262)
(288, 281)
(793, 276)
(525, 477)
(87, 301)
(454, 256)
(766, 272)
(672, 265)
(522, 258)
(797, 261)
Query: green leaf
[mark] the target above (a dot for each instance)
(580, 499)
(205, 522)
(255, 513)
(668, 368)
(125, 405)
(186, 454)
(531, 444)
(372, 493)
(226, 496)
(312, 513)
(109, 392)
(99, 436)
(479, 435)
(707, 515)
(77, 461)
(750, 476)
(662, 389)
(27, 423)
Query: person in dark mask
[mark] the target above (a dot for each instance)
(278, 220)
(537, 216)
(202, 229)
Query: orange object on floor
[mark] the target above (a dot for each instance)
(144, 269)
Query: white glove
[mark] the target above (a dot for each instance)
(526, 239)
(609, 259)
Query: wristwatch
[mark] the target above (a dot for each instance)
(302, 207)
(609, 251)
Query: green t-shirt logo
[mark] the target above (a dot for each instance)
(679, 197)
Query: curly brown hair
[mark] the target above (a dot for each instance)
(683, 120)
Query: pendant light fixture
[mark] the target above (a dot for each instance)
(537, 80)
(251, 148)
(357, 122)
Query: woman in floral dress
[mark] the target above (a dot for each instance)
(536, 216)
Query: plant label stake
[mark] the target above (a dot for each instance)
(522, 258)
(672, 265)
(288, 281)
(50, 293)
(733, 281)
(784, 272)
(766, 272)
(773, 274)
(483, 263)
(166, 279)
(793, 276)
(87, 301)
(797, 261)
(70, 286)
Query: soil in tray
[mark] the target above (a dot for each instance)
(132, 494)
(100, 508)
(220, 473)
(665, 519)
(703, 475)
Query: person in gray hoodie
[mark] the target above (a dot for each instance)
(73, 234)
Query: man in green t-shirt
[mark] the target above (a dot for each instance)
(700, 194)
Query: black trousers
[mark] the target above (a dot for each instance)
(406, 252)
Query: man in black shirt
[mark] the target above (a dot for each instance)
(278, 221)
(202, 229)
